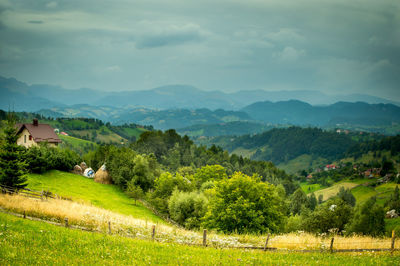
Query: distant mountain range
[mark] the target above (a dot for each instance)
(180, 106)
(35, 97)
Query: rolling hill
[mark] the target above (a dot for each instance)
(301, 113)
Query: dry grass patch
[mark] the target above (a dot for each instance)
(97, 218)
(330, 192)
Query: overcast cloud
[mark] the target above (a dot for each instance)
(332, 46)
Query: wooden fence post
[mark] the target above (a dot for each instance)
(331, 248)
(66, 221)
(266, 243)
(393, 239)
(24, 215)
(153, 232)
(109, 227)
(205, 237)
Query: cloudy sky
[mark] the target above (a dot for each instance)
(336, 46)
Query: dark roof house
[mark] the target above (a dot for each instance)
(33, 133)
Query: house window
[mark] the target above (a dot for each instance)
(24, 138)
(30, 137)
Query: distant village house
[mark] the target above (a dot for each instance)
(31, 134)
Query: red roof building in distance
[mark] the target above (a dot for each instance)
(34, 133)
(330, 167)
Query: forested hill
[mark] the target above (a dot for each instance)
(174, 152)
(284, 144)
(301, 113)
(391, 144)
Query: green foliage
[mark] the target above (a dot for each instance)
(209, 173)
(133, 191)
(391, 144)
(42, 158)
(12, 163)
(174, 152)
(244, 204)
(394, 202)
(187, 208)
(312, 202)
(369, 219)
(125, 165)
(347, 196)
(164, 185)
(334, 214)
(297, 200)
(285, 144)
(294, 223)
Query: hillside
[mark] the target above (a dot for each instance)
(363, 189)
(236, 128)
(340, 113)
(82, 189)
(284, 144)
(89, 129)
(78, 145)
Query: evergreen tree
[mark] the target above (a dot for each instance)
(12, 164)
(297, 200)
(312, 201)
(347, 196)
(369, 219)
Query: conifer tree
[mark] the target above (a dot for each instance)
(12, 163)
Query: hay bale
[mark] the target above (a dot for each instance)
(102, 176)
(83, 166)
(77, 170)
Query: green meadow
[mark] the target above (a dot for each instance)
(79, 188)
(25, 242)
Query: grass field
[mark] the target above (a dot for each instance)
(104, 134)
(134, 131)
(86, 190)
(302, 162)
(333, 190)
(29, 242)
(310, 188)
(81, 146)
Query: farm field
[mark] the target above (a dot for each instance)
(333, 190)
(24, 241)
(76, 144)
(85, 190)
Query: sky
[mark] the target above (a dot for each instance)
(336, 47)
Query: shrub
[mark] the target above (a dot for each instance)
(187, 208)
(245, 204)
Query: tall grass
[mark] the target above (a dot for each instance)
(24, 242)
(97, 219)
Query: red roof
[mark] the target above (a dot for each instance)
(40, 132)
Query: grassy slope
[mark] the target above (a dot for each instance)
(333, 190)
(81, 146)
(134, 131)
(103, 134)
(82, 189)
(76, 141)
(26, 242)
(310, 188)
(302, 162)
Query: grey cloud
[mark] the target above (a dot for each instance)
(160, 36)
(227, 44)
(35, 21)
